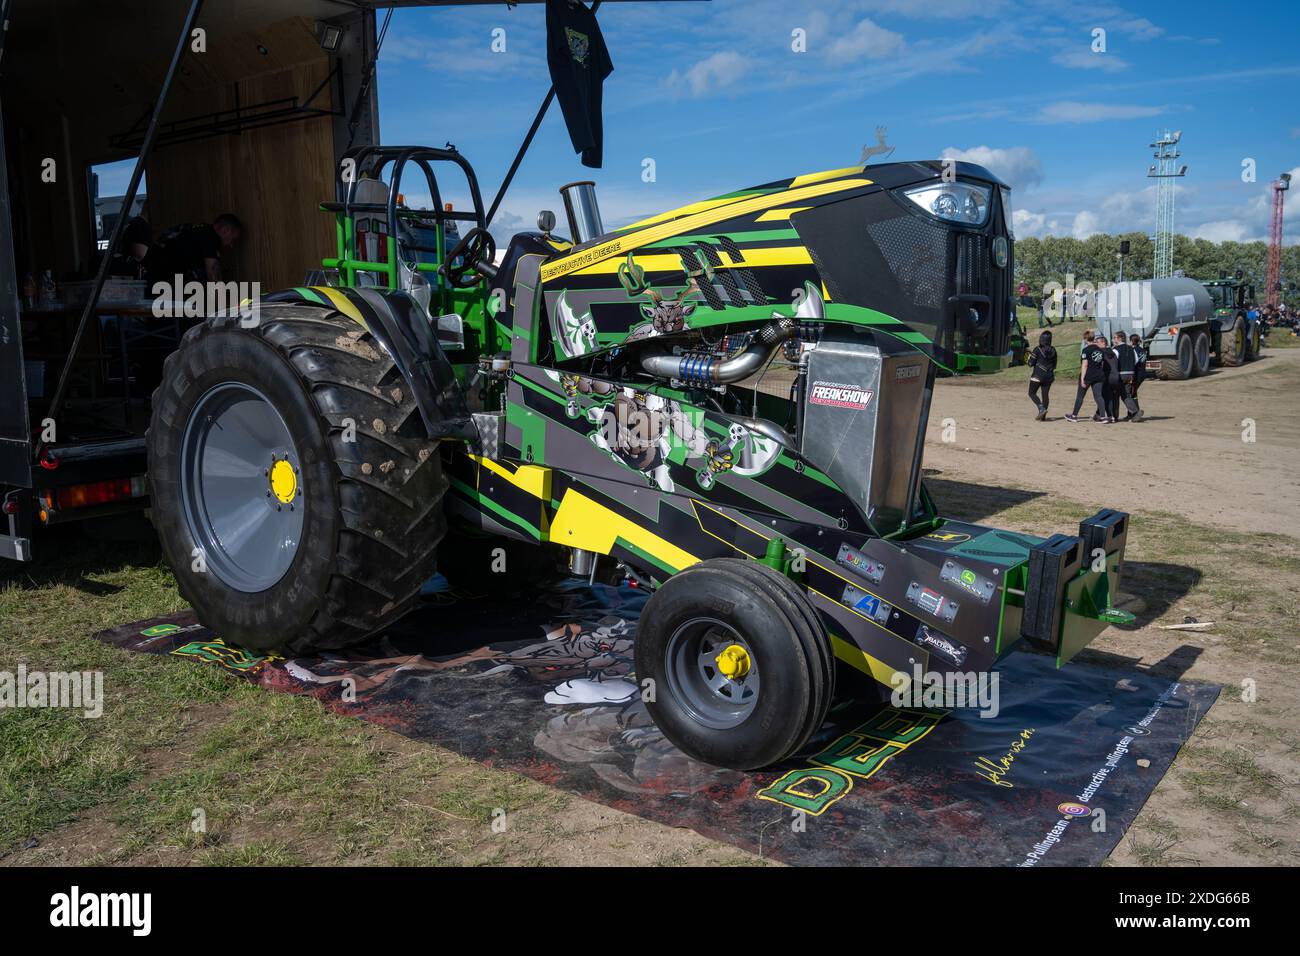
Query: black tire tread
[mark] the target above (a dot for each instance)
(391, 516)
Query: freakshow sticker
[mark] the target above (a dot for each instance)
(838, 395)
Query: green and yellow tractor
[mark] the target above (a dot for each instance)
(726, 403)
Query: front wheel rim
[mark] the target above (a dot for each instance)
(696, 679)
(241, 487)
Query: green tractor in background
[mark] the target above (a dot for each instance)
(1240, 338)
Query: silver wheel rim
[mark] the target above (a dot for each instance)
(237, 462)
(696, 680)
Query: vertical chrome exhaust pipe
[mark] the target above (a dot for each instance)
(583, 211)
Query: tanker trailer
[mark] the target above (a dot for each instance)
(1174, 317)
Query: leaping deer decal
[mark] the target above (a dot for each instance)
(880, 149)
(665, 315)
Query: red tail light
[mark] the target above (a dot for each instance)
(97, 493)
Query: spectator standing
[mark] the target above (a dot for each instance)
(1139, 370)
(1111, 387)
(1042, 372)
(1092, 375)
(1126, 360)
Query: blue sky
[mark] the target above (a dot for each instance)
(716, 96)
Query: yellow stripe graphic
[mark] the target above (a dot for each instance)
(580, 522)
(753, 258)
(824, 175)
(781, 215)
(854, 656)
(586, 259)
(343, 304)
(533, 479)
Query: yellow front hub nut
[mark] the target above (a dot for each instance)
(733, 662)
(284, 482)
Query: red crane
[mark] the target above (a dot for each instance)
(1273, 281)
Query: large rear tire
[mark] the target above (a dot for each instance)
(296, 495)
(1180, 367)
(742, 669)
(1232, 344)
(1254, 344)
(1201, 354)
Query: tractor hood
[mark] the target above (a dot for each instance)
(920, 251)
(930, 248)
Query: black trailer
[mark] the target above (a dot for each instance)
(207, 98)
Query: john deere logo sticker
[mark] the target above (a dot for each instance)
(948, 537)
(838, 395)
(1073, 809)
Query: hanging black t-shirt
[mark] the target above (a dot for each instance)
(182, 250)
(579, 62)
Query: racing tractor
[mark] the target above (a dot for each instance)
(724, 404)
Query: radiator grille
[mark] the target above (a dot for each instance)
(917, 254)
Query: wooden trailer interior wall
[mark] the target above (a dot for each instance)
(273, 178)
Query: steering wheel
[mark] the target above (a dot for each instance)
(475, 247)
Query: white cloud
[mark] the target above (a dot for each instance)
(1085, 224)
(1140, 28)
(712, 73)
(1221, 231)
(1083, 58)
(867, 41)
(1019, 166)
(1073, 111)
(1025, 223)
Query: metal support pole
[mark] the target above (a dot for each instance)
(127, 201)
(528, 141)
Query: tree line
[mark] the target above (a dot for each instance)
(1094, 260)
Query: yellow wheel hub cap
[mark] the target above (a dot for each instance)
(284, 482)
(733, 662)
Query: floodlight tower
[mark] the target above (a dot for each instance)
(1165, 170)
(1273, 280)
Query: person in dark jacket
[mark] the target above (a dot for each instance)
(1126, 362)
(1111, 386)
(1042, 371)
(1092, 376)
(1139, 370)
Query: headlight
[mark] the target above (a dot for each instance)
(956, 202)
(1006, 211)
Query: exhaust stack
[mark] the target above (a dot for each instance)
(583, 211)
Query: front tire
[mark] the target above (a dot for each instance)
(742, 669)
(296, 495)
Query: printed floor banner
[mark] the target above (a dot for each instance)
(543, 685)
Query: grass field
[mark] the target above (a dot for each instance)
(279, 780)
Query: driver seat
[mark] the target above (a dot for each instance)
(372, 242)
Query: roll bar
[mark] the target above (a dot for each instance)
(374, 160)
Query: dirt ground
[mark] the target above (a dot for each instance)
(1188, 457)
(1215, 536)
